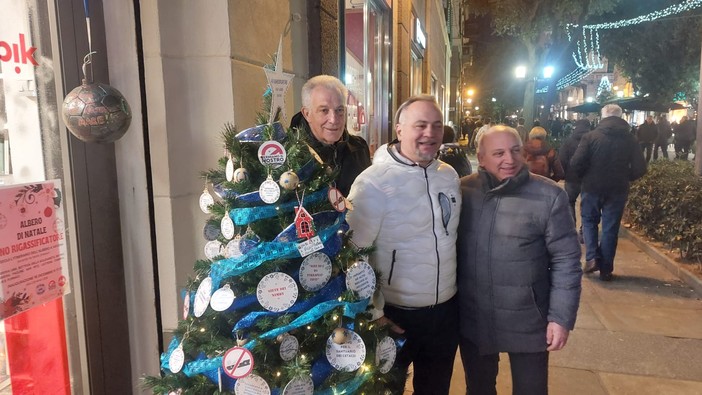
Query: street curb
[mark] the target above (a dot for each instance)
(676, 268)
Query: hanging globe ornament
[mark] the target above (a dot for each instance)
(96, 112)
(289, 180)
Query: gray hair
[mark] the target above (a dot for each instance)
(496, 129)
(326, 81)
(423, 97)
(611, 110)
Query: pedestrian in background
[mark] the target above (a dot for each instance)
(684, 136)
(519, 273)
(522, 130)
(407, 206)
(541, 158)
(647, 134)
(565, 153)
(452, 153)
(663, 139)
(607, 160)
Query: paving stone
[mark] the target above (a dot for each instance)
(621, 384)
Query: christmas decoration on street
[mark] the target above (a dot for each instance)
(587, 55)
(95, 112)
(281, 304)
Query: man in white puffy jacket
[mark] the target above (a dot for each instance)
(407, 203)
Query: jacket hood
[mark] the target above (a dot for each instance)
(613, 125)
(580, 128)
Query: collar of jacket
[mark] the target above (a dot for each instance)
(394, 152)
(508, 185)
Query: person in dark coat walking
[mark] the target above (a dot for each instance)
(607, 160)
(663, 139)
(572, 181)
(323, 117)
(519, 275)
(452, 153)
(647, 134)
(684, 136)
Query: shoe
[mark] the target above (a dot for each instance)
(591, 266)
(605, 276)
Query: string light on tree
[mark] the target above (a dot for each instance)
(587, 54)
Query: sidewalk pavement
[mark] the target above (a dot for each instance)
(638, 334)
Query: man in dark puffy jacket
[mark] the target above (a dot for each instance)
(518, 268)
(684, 136)
(323, 117)
(607, 160)
(647, 133)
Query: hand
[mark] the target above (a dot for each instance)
(385, 321)
(556, 336)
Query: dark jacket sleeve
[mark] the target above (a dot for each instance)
(581, 158)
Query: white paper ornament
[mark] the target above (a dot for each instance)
(337, 200)
(289, 347)
(186, 305)
(176, 359)
(386, 352)
(315, 271)
(222, 299)
(241, 174)
(237, 362)
(269, 191)
(229, 169)
(300, 385)
(206, 200)
(360, 278)
(289, 180)
(227, 227)
(271, 153)
(213, 249)
(276, 292)
(252, 385)
(202, 297)
(346, 357)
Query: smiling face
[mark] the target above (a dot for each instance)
(500, 154)
(326, 114)
(420, 131)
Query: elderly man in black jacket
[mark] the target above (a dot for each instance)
(518, 267)
(607, 159)
(323, 117)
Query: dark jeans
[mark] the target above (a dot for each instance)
(610, 209)
(529, 371)
(648, 149)
(663, 146)
(432, 340)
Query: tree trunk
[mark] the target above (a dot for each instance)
(698, 151)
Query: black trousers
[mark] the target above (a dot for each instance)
(529, 371)
(431, 341)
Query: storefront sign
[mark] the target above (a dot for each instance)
(33, 261)
(17, 52)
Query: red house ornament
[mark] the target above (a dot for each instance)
(303, 223)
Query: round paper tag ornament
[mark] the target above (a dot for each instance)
(346, 357)
(96, 113)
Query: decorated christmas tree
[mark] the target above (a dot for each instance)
(281, 304)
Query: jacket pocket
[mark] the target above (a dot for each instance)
(392, 266)
(537, 306)
(445, 204)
